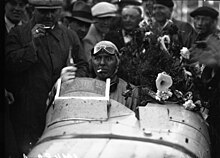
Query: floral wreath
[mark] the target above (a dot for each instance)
(157, 64)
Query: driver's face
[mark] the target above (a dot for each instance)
(105, 63)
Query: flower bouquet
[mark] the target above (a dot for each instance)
(157, 64)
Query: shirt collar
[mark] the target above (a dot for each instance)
(9, 25)
(127, 37)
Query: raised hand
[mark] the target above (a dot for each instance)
(38, 30)
(68, 73)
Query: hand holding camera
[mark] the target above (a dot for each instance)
(39, 30)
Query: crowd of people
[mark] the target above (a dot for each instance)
(41, 35)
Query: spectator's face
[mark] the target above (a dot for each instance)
(14, 10)
(48, 17)
(203, 24)
(103, 24)
(161, 13)
(80, 27)
(106, 63)
(131, 18)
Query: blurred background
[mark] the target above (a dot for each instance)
(182, 8)
(181, 11)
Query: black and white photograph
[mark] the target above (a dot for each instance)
(111, 79)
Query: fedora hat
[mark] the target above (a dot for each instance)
(81, 11)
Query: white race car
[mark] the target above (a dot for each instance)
(82, 122)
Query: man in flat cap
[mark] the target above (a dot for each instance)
(206, 52)
(205, 21)
(35, 54)
(162, 12)
(103, 14)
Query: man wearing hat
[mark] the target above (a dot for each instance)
(205, 21)
(80, 18)
(103, 13)
(162, 11)
(208, 55)
(35, 54)
(105, 63)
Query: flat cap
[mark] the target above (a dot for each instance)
(205, 11)
(104, 9)
(167, 3)
(46, 4)
(128, 2)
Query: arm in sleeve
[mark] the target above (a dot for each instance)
(19, 56)
(132, 102)
(87, 47)
(80, 59)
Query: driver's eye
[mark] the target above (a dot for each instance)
(108, 58)
(97, 58)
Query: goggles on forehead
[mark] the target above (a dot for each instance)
(108, 49)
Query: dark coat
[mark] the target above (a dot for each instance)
(31, 73)
(211, 94)
(187, 32)
(116, 37)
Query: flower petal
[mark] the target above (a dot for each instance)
(163, 81)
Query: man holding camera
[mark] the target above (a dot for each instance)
(35, 54)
